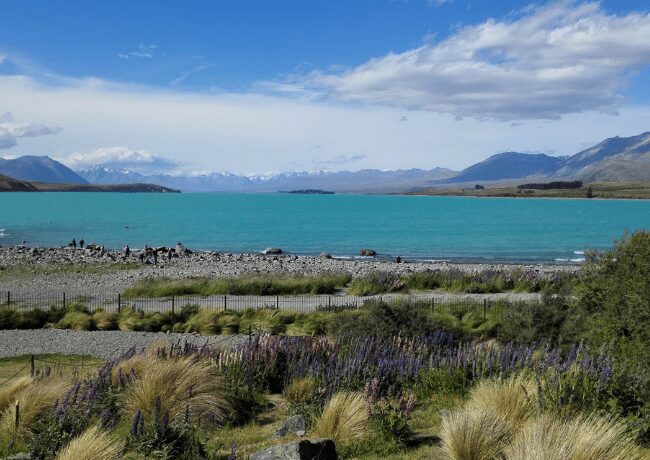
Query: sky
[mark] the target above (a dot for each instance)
(257, 87)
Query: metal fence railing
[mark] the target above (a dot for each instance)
(301, 303)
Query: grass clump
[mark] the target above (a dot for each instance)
(344, 418)
(266, 284)
(183, 388)
(92, 444)
(474, 435)
(10, 389)
(75, 320)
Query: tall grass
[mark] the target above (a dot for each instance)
(581, 438)
(180, 387)
(343, 418)
(513, 399)
(265, 284)
(92, 444)
(474, 435)
(33, 401)
(11, 389)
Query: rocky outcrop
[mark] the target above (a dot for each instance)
(318, 449)
(272, 251)
(367, 252)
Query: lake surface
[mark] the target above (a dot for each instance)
(456, 228)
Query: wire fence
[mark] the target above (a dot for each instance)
(300, 303)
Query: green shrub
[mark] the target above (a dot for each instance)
(76, 320)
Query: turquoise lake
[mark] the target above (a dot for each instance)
(455, 228)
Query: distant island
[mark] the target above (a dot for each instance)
(9, 184)
(310, 192)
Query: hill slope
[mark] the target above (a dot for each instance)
(9, 184)
(40, 169)
(508, 165)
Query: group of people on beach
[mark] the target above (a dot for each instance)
(148, 255)
(89, 247)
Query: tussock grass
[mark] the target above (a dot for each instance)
(33, 401)
(582, 438)
(181, 384)
(266, 284)
(343, 418)
(75, 320)
(104, 321)
(92, 444)
(11, 389)
(299, 392)
(204, 322)
(513, 399)
(474, 435)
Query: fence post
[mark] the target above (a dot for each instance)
(484, 309)
(172, 305)
(329, 303)
(17, 415)
(32, 369)
(225, 303)
(277, 302)
(119, 302)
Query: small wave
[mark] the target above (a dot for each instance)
(561, 260)
(578, 252)
(579, 259)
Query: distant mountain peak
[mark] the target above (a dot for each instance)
(39, 169)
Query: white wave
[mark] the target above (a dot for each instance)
(561, 260)
(579, 259)
(578, 252)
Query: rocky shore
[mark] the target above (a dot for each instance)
(30, 269)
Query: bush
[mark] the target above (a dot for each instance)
(75, 320)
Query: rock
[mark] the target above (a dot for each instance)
(272, 251)
(367, 252)
(326, 255)
(293, 425)
(318, 449)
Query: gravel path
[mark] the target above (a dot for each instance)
(85, 272)
(100, 344)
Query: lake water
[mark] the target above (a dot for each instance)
(457, 228)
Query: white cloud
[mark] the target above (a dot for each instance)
(12, 130)
(143, 52)
(118, 157)
(254, 133)
(338, 160)
(546, 62)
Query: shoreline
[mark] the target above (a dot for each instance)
(82, 271)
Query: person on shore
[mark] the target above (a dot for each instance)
(155, 257)
(170, 254)
(127, 251)
(81, 243)
(398, 259)
(141, 256)
(73, 243)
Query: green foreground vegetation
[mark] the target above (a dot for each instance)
(608, 190)
(449, 280)
(566, 378)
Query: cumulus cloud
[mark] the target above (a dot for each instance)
(120, 157)
(338, 160)
(541, 63)
(143, 52)
(11, 130)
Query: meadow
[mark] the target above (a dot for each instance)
(565, 378)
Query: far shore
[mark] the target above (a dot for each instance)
(32, 269)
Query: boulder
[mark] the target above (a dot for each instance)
(293, 425)
(272, 251)
(367, 252)
(326, 255)
(318, 449)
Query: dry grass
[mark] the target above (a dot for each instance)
(513, 399)
(33, 401)
(180, 383)
(299, 391)
(343, 418)
(10, 390)
(474, 435)
(92, 444)
(582, 438)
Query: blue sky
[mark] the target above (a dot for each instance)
(258, 86)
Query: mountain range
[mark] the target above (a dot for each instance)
(616, 159)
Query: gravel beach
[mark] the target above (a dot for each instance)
(84, 272)
(100, 344)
